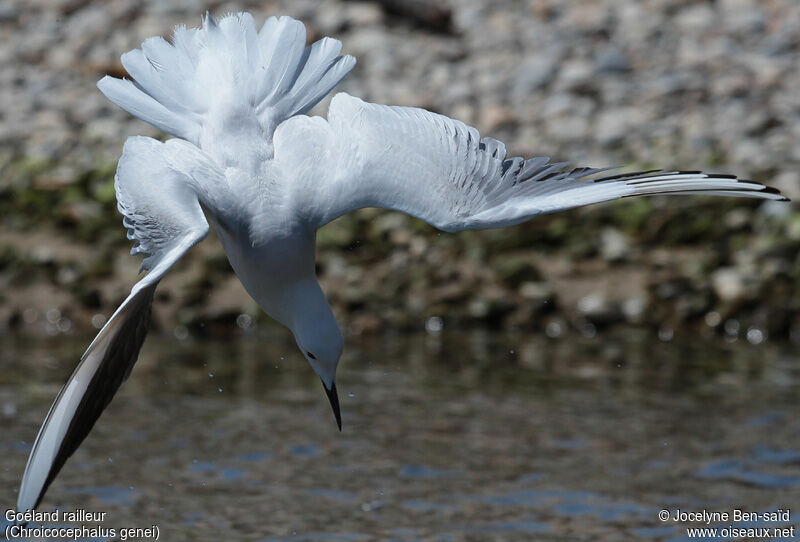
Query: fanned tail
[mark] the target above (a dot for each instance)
(226, 79)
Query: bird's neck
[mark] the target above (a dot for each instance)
(309, 307)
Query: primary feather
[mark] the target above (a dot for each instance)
(159, 191)
(441, 171)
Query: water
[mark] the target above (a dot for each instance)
(452, 436)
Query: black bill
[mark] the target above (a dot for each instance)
(333, 397)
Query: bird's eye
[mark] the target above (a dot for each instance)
(312, 356)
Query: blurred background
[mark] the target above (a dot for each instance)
(564, 356)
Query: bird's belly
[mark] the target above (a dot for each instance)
(271, 271)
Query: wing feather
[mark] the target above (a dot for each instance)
(158, 193)
(441, 171)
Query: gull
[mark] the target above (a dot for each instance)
(248, 160)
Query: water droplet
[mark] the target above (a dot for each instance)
(553, 330)
(53, 315)
(30, 315)
(181, 333)
(244, 321)
(755, 336)
(210, 375)
(64, 325)
(713, 319)
(588, 330)
(434, 325)
(219, 389)
(351, 394)
(732, 327)
(9, 410)
(665, 333)
(98, 320)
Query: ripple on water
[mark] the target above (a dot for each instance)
(423, 472)
(230, 473)
(531, 477)
(424, 506)
(108, 494)
(526, 526)
(747, 470)
(18, 446)
(533, 498)
(765, 454)
(201, 466)
(304, 450)
(655, 532)
(570, 504)
(571, 444)
(225, 473)
(254, 457)
(764, 420)
(334, 494)
(404, 532)
(314, 537)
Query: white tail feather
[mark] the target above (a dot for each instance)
(228, 73)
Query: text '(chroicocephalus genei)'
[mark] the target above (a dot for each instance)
(248, 160)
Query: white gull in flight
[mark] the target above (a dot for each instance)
(249, 161)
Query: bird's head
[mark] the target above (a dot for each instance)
(320, 340)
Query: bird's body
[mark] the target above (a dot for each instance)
(266, 176)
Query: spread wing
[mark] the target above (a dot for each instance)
(157, 187)
(441, 171)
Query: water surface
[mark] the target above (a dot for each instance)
(458, 436)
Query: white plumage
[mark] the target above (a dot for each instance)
(267, 177)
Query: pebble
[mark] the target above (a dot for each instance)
(729, 284)
(613, 245)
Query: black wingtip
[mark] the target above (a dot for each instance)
(619, 176)
(771, 190)
(333, 397)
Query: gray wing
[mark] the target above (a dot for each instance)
(157, 187)
(441, 171)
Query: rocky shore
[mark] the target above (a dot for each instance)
(656, 83)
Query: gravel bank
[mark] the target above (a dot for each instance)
(655, 83)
